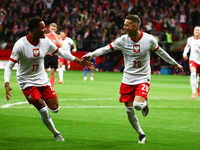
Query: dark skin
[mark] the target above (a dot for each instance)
(34, 35)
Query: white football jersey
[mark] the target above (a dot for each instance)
(30, 58)
(136, 56)
(66, 44)
(194, 46)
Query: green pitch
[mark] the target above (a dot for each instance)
(91, 117)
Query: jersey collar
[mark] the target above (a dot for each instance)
(141, 35)
(195, 38)
(27, 36)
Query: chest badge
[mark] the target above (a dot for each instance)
(36, 52)
(136, 48)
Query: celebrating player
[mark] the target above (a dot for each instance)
(136, 47)
(29, 51)
(193, 44)
(67, 43)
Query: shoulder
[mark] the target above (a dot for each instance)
(46, 40)
(122, 38)
(146, 35)
(21, 42)
(149, 37)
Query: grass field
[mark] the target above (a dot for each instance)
(91, 117)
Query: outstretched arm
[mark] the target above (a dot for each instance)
(84, 63)
(98, 52)
(164, 55)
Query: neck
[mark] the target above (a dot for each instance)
(33, 38)
(136, 36)
(197, 36)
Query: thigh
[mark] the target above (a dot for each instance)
(130, 93)
(32, 94)
(49, 96)
(127, 93)
(142, 90)
(193, 66)
(52, 103)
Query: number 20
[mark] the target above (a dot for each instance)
(136, 64)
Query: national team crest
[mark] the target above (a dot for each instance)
(136, 48)
(36, 52)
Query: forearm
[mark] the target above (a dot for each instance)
(164, 55)
(58, 41)
(101, 51)
(7, 71)
(74, 48)
(65, 55)
(186, 50)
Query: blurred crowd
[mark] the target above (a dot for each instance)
(95, 23)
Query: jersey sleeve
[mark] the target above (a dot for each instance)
(15, 54)
(116, 44)
(71, 41)
(154, 44)
(14, 57)
(187, 47)
(52, 47)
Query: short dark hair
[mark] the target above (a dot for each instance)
(134, 19)
(62, 31)
(33, 22)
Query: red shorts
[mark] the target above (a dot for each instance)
(128, 92)
(195, 65)
(64, 61)
(33, 93)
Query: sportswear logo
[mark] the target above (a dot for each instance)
(36, 52)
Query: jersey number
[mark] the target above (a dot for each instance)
(35, 67)
(136, 64)
(145, 87)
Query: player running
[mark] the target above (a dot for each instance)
(193, 44)
(136, 47)
(29, 52)
(67, 45)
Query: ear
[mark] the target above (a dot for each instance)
(34, 30)
(135, 26)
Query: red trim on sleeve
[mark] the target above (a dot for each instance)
(111, 47)
(156, 49)
(55, 52)
(15, 61)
